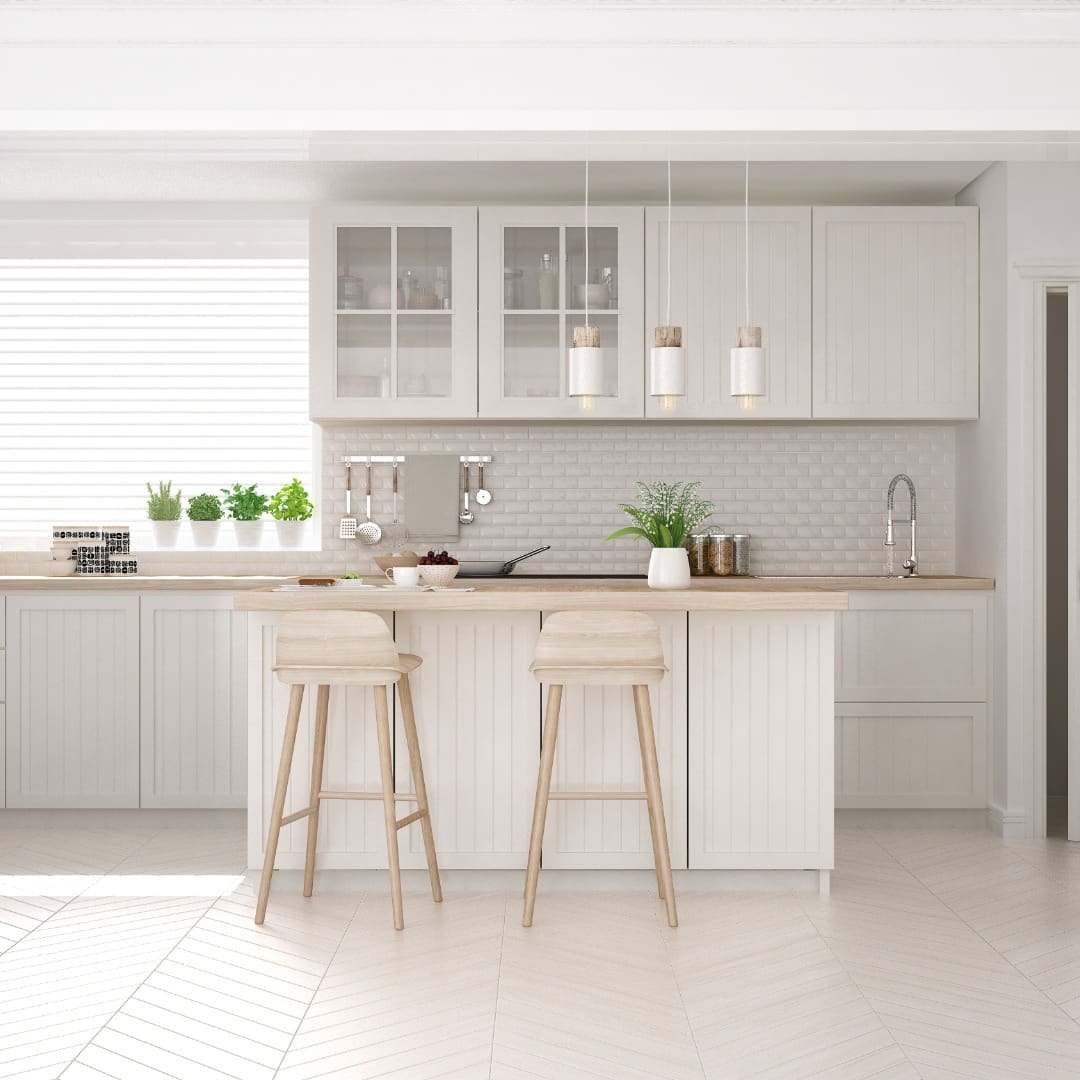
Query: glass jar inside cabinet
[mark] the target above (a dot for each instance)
(535, 288)
(393, 312)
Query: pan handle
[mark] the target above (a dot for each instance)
(508, 566)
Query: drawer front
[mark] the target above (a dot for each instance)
(912, 755)
(927, 646)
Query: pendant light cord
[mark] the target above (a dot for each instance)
(746, 240)
(586, 242)
(667, 316)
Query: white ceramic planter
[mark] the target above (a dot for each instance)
(165, 533)
(669, 568)
(205, 533)
(290, 534)
(247, 533)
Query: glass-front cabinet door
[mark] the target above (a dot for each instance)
(534, 289)
(393, 312)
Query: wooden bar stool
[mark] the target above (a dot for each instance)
(608, 648)
(346, 648)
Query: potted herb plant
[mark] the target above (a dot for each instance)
(204, 512)
(665, 518)
(246, 507)
(290, 507)
(163, 508)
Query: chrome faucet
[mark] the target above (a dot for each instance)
(911, 564)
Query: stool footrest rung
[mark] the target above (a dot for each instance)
(597, 795)
(371, 796)
(416, 815)
(290, 818)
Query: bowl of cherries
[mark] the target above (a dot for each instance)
(438, 568)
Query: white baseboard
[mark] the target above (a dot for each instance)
(136, 818)
(1008, 824)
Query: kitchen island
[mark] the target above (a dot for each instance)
(744, 725)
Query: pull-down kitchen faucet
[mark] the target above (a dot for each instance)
(911, 564)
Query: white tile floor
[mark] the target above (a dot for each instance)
(943, 952)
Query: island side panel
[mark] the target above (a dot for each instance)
(598, 751)
(760, 740)
(478, 721)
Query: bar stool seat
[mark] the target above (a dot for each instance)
(600, 648)
(347, 648)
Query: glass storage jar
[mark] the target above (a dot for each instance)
(721, 554)
(741, 560)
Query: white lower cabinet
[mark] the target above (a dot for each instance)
(597, 750)
(760, 744)
(193, 723)
(72, 732)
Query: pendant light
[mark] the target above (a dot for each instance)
(748, 357)
(667, 363)
(586, 372)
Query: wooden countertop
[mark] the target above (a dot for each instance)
(129, 582)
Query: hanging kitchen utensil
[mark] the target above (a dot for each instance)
(395, 492)
(466, 517)
(347, 525)
(371, 531)
(483, 496)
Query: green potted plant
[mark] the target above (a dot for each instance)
(291, 508)
(163, 508)
(246, 507)
(665, 518)
(204, 512)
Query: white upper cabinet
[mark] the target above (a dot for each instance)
(708, 295)
(393, 312)
(533, 292)
(896, 312)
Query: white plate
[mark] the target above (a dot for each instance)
(353, 584)
(404, 588)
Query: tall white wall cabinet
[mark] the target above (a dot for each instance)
(393, 312)
(708, 295)
(533, 292)
(896, 312)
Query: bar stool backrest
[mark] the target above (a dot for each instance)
(336, 647)
(601, 647)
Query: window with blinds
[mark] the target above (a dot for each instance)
(139, 353)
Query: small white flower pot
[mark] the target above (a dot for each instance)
(166, 533)
(669, 568)
(247, 533)
(205, 534)
(290, 534)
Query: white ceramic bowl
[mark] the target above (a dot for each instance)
(60, 569)
(599, 296)
(438, 575)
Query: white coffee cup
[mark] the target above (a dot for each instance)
(404, 575)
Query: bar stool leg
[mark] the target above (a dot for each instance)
(386, 764)
(643, 709)
(292, 722)
(318, 757)
(543, 790)
(652, 820)
(416, 767)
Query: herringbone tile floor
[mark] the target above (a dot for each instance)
(942, 953)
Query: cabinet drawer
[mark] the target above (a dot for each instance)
(911, 755)
(927, 646)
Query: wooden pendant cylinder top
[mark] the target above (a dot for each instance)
(748, 337)
(586, 337)
(667, 337)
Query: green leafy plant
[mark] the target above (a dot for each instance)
(204, 507)
(244, 503)
(291, 503)
(163, 505)
(666, 515)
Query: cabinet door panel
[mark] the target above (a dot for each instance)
(73, 700)
(896, 312)
(708, 290)
(193, 718)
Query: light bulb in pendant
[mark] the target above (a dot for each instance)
(587, 403)
(667, 402)
(746, 402)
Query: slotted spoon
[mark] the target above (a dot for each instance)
(371, 531)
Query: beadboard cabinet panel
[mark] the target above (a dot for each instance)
(708, 295)
(760, 743)
(911, 755)
(597, 750)
(478, 720)
(896, 312)
(73, 700)
(351, 833)
(192, 717)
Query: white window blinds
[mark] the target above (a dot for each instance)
(133, 353)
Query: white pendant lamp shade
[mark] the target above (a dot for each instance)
(667, 366)
(748, 367)
(586, 374)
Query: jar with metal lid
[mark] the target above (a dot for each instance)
(741, 544)
(698, 549)
(721, 554)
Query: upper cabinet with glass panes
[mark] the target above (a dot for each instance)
(393, 312)
(536, 287)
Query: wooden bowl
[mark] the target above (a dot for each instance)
(396, 558)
